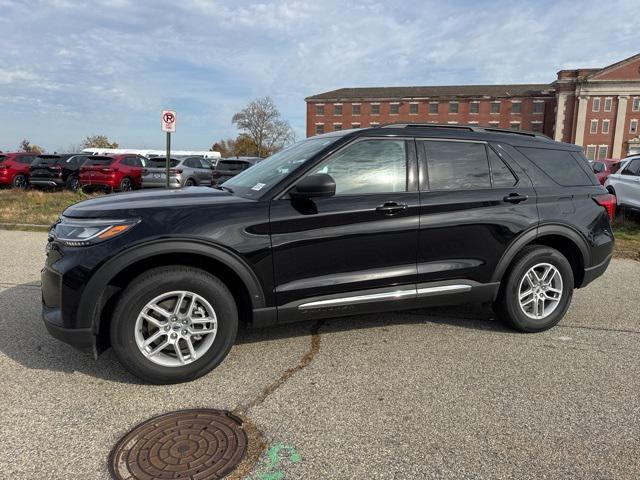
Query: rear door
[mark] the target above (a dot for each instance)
(473, 204)
(357, 249)
(628, 184)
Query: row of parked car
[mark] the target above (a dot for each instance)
(122, 172)
(621, 178)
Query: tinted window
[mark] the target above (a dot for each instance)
(457, 165)
(598, 167)
(26, 159)
(231, 165)
(48, 160)
(2, 158)
(162, 162)
(633, 168)
(99, 161)
(560, 165)
(501, 175)
(371, 166)
(191, 163)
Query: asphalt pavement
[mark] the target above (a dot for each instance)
(443, 393)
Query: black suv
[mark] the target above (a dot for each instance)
(393, 217)
(57, 170)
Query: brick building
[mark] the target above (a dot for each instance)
(598, 109)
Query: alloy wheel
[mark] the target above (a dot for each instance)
(176, 328)
(540, 291)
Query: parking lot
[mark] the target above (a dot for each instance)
(446, 393)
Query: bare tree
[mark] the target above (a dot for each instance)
(27, 146)
(262, 123)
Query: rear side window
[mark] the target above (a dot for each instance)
(457, 165)
(162, 162)
(48, 160)
(614, 167)
(598, 167)
(560, 165)
(231, 166)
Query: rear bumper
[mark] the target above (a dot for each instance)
(160, 183)
(81, 338)
(591, 273)
(46, 183)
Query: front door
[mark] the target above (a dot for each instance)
(473, 205)
(354, 251)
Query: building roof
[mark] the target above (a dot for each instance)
(379, 93)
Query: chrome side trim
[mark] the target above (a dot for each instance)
(395, 295)
(443, 289)
(358, 299)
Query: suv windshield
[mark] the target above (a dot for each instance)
(270, 171)
(48, 160)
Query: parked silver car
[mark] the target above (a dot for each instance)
(625, 183)
(183, 172)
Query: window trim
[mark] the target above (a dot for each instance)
(610, 99)
(394, 103)
(491, 104)
(417, 104)
(474, 102)
(595, 152)
(457, 104)
(594, 121)
(593, 104)
(631, 123)
(606, 122)
(606, 152)
(537, 102)
(437, 104)
(635, 104)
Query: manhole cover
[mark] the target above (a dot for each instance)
(190, 444)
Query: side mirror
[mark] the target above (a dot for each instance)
(314, 186)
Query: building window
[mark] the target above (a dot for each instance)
(536, 127)
(433, 107)
(591, 152)
(375, 109)
(493, 124)
(355, 109)
(594, 126)
(538, 106)
(320, 109)
(374, 124)
(596, 104)
(474, 107)
(514, 125)
(319, 128)
(602, 152)
(495, 107)
(337, 109)
(453, 107)
(636, 104)
(413, 109)
(473, 122)
(607, 104)
(355, 125)
(605, 126)
(394, 108)
(633, 126)
(516, 107)
(337, 127)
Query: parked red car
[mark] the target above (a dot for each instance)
(604, 168)
(14, 168)
(118, 172)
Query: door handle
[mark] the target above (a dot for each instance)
(391, 208)
(515, 198)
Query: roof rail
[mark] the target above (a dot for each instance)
(466, 127)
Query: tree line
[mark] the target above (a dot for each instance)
(263, 132)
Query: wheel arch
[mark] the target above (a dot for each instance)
(102, 291)
(563, 238)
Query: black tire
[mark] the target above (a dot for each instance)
(507, 306)
(73, 183)
(190, 182)
(20, 181)
(126, 185)
(156, 282)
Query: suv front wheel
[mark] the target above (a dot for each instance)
(174, 324)
(537, 291)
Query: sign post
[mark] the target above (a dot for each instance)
(168, 120)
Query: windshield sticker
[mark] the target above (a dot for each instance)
(258, 186)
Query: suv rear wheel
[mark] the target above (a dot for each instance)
(537, 291)
(174, 324)
(19, 181)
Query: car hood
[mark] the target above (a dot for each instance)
(129, 204)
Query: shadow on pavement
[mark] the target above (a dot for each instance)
(24, 339)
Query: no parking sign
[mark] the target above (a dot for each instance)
(168, 120)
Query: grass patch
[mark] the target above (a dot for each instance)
(626, 229)
(34, 207)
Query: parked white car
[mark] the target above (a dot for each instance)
(625, 183)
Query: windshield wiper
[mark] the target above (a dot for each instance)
(228, 189)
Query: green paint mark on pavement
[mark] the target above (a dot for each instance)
(274, 458)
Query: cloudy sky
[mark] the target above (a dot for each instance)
(69, 69)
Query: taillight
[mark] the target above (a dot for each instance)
(607, 201)
(106, 170)
(175, 170)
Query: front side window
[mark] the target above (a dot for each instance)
(370, 166)
(501, 175)
(457, 165)
(633, 168)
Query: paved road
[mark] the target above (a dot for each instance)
(445, 393)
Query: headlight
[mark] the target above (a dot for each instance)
(83, 232)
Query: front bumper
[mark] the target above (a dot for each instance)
(81, 338)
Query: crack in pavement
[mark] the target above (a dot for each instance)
(257, 443)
